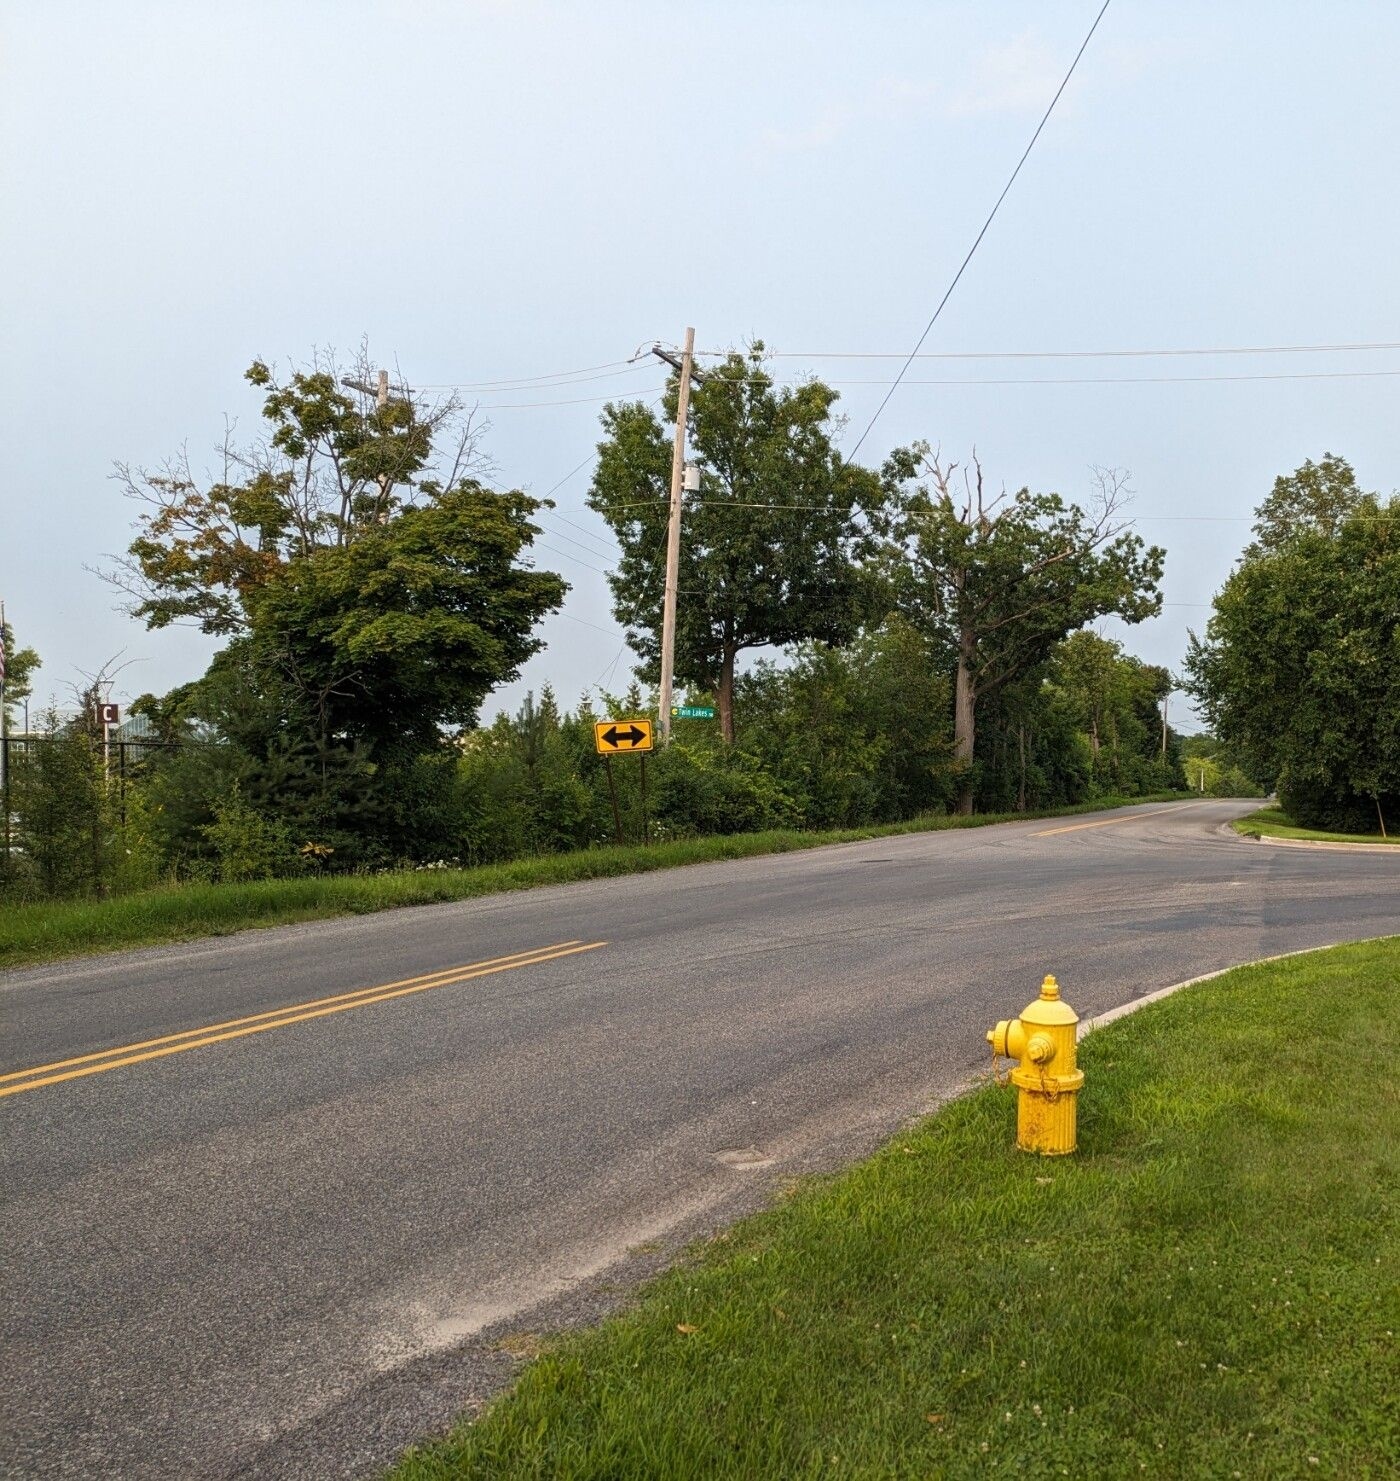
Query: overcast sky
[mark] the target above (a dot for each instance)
(500, 191)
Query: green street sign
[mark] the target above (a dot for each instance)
(692, 712)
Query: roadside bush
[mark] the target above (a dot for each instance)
(247, 845)
(1313, 804)
(137, 858)
(61, 817)
(530, 783)
(707, 789)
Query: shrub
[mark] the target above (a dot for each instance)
(248, 845)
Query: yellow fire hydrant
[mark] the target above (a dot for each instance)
(1047, 1077)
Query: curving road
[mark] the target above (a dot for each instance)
(270, 1201)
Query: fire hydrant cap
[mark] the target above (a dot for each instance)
(1049, 1009)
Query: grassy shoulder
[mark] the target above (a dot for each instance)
(1210, 1288)
(1273, 822)
(51, 931)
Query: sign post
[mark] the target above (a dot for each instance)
(612, 792)
(109, 715)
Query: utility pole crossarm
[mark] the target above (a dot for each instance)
(380, 390)
(676, 362)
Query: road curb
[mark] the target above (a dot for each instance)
(1111, 1015)
(1318, 843)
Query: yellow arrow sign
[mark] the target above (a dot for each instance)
(613, 736)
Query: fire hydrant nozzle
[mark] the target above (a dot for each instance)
(1047, 1077)
(1041, 1048)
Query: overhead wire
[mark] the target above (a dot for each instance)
(1365, 346)
(606, 676)
(577, 468)
(659, 503)
(589, 372)
(1131, 380)
(986, 226)
(554, 514)
(575, 401)
(1029, 380)
(587, 534)
(562, 380)
(565, 555)
(559, 534)
(584, 622)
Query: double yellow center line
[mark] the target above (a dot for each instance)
(19, 1081)
(1133, 817)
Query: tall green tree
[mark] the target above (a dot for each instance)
(1004, 578)
(20, 664)
(773, 546)
(1315, 499)
(860, 733)
(1116, 700)
(372, 589)
(1299, 669)
(1088, 668)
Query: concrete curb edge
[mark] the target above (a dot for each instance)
(1321, 843)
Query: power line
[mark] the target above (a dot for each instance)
(561, 380)
(1026, 380)
(826, 509)
(606, 676)
(577, 401)
(602, 555)
(576, 469)
(568, 539)
(559, 534)
(564, 554)
(612, 367)
(986, 225)
(553, 514)
(586, 533)
(1063, 354)
(1131, 380)
(583, 622)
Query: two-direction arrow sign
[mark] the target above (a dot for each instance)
(613, 736)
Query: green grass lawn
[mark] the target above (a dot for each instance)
(1211, 1288)
(1273, 822)
(50, 931)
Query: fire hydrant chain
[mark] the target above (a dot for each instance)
(1047, 1076)
(997, 1074)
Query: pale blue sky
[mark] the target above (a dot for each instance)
(498, 190)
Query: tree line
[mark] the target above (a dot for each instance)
(371, 586)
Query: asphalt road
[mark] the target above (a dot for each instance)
(289, 1244)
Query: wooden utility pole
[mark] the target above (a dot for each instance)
(380, 392)
(380, 389)
(673, 535)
